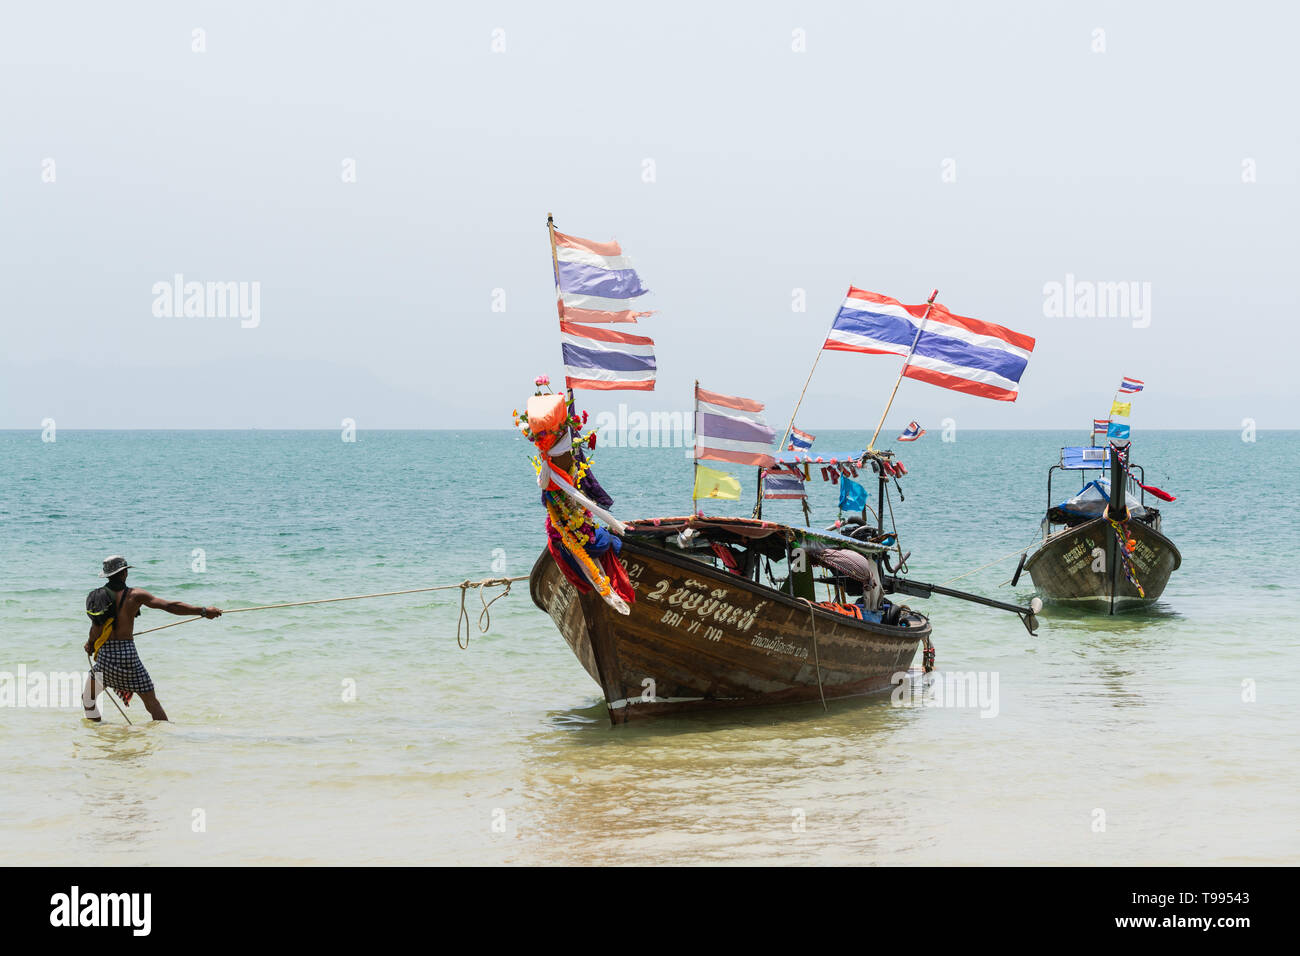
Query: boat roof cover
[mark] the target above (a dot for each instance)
(1085, 456)
(1092, 500)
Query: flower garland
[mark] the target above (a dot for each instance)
(594, 574)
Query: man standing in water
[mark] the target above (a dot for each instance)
(112, 638)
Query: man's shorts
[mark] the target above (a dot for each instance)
(119, 666)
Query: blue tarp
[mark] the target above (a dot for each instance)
(1091, 501)
(1085, 456)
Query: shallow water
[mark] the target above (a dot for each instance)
(502, 753)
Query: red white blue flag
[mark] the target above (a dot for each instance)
(912, 432)
(595, 285)
(1131, 385)
(599, 358)
(783, 484)
(951, 351)
(800, 441)
(595, 281)
(732, 429)
(1100, 426)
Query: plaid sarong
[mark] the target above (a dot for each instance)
(119, 667)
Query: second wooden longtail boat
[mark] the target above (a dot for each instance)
(1104, 547)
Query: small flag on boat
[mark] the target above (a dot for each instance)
(732, 429)
(951, 351)
(800, 441)
(853, 497)
(912, 432)
(1117, 430)
(1100, 426)
(1121, 408)
(783, 484)
(1130, 385)
(710, 483)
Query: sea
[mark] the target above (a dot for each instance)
(369, 732)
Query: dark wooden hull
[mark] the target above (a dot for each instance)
(1067, 566)
(700, 639)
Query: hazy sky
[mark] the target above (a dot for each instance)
(983, 149)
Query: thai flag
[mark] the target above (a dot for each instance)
(1100, 426)
(951, 351)
(800, 441)
(912, 432)
(1131, 385)
(595, 282)
(732, 429)
(783, 484)
(601, 358)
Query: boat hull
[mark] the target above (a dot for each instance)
(1080, 565)
(701, 639)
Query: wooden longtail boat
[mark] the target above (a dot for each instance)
(670, 615)
(1115, 559)
(703, 634)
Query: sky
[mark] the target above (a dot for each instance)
(383, 173)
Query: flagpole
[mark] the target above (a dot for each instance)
(790, 427)
(559, 299)
(695, 453)
(917, 338)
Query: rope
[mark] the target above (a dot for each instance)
(1009, 554)
(816, 658)
(486, 613)
(464, 586)
(898, 544)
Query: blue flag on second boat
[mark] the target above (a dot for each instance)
(853, 497)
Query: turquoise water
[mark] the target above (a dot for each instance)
(501, 753)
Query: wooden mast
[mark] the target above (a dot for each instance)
(871, 446)
(559, 299)
(695, 452)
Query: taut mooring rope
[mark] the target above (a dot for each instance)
(1009, 554)
(464, 586)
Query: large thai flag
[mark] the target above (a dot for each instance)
(952, 351)
(595, 281)
(732, 429)
(601, 358)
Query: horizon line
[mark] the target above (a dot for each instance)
(402, 428)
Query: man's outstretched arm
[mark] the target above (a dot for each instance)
(178, 607)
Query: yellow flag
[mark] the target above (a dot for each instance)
(1121, 408)
(715, 484)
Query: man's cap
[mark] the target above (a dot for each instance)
(113, 564)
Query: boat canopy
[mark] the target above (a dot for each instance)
(1092, 500)
(769, 537)
(1079, 457)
